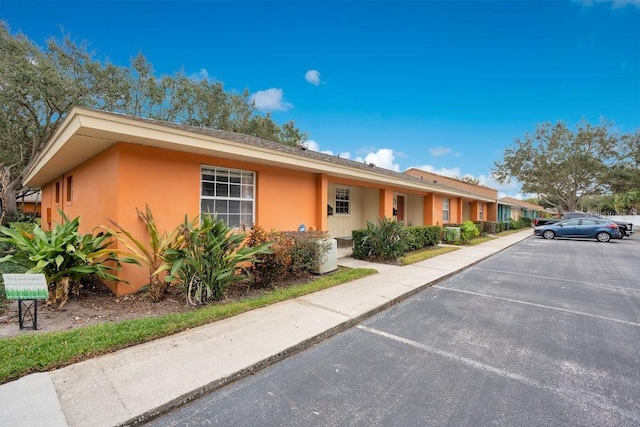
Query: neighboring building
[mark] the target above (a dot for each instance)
(479, 205)
(102, 166)
(517, 209)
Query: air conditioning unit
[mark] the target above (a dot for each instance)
(329, 261)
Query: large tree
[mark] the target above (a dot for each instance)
(40, 86)
(564, 165)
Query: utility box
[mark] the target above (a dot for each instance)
(329, 261)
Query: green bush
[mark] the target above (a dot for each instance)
(500, 227)
(515, 225)
(386, 240)
(419, 239)
(526, 222)
(63, 254)
(468, 230)
(212, 258)
(486, 227)
(359, 249)
(423, 236)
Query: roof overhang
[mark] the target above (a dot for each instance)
(85, 133)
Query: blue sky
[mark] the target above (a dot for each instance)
(444, 86)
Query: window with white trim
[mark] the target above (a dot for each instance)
(445, 209)
(481, 211)
(343, 201)
(230, 194)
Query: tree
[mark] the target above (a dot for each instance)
(39, 87)
(563, 166)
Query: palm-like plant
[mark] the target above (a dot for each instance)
(63, 255)
(212, 258)
(153, 254)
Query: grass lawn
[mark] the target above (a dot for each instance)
(25, 354)
(426, 253)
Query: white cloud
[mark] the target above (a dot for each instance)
(202, 75)
(345, 155)
(615, 3)
(439, 151)
(270, 100)
(383, 158)
(314, 146)
(313, 77)
(450, 172)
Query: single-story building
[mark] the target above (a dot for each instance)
(510, 208)
(102, 166)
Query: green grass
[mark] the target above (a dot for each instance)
(479, 240)
(507, 232)
(426, 253)
(25, 354)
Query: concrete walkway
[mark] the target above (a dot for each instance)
(136, 383)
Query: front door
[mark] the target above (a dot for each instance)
(400, 208)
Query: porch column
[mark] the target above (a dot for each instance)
(322, 199)
(492, 212)
(385, 209)
(473, 211)
(428, 209)
(460, 204)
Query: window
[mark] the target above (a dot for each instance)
(342, 201)
(57, 193)
(480, 211)
(445, 209)
(229, 194)
(69, 188)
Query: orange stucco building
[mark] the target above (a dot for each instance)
(102, 166)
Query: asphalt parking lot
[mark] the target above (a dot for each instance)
(546, 332)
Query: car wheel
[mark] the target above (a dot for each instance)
(603, 237)
(548, 234)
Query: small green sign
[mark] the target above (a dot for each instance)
(25, 286)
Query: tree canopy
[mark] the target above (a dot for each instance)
(40, 86)
(563, 166)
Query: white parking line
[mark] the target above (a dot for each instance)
(580, 395)
(549, 307)
(557, 279)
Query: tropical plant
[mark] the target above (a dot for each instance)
(63, 255)
(468, 230)
(153, 255)
(211, 258)
(268, 267)
(385, 240)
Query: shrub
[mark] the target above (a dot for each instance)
(515, 225)
(387, 240)
(153, 254)
(468, 230)
(359, 249)
(63, 255)
(423, 236)
(500, 227)
(268, 267)
(308, 247)
(526, 222)
(293, 254)
(210, 260)
(486, 227)
(419, 239)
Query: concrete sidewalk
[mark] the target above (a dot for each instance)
(136, 383)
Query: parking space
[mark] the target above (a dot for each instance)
(544, 333)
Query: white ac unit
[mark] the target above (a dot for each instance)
(329, 261)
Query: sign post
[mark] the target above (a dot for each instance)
(27, 289)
